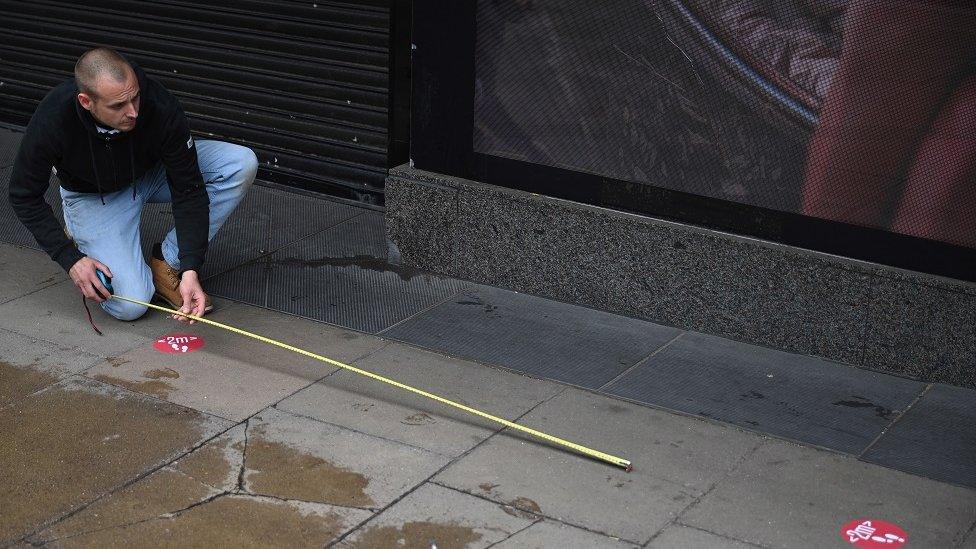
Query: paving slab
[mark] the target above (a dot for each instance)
(362, 404)
(675, 459)
(433, 516)
(56, 314)
(934, 439)
(793, 496)
(292, 457)
(537, 336)
(25, 271)
(231, 520)
(548, 533)
(67, 445)
(28, 365)
(234, 376)
(330, 341)
(677, 536)
(803, 398)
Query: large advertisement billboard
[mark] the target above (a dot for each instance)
(856, 111)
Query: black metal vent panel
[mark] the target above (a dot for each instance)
(304, 84)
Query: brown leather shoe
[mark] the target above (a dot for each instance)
(167, 282)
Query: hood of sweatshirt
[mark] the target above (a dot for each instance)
(124, 139)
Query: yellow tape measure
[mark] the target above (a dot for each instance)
(614, 460)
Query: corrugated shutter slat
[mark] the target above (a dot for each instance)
(305, 84)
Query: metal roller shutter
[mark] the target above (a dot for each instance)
(304, 84)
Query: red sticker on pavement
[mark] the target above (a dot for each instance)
(178, 343)
(873, 533)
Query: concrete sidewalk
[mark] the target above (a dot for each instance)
(108, 442)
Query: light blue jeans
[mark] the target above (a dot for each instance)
(110, 232)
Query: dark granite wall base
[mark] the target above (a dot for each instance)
(786, 298)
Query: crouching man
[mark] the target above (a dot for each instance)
(117, 140)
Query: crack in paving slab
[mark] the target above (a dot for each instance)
(716, 534)
(526, 513)
(228, 520)
(162, 493)
(190, 507)
(292, 500)
(515, 533)
(242, 448)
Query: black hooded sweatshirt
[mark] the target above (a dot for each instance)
(62, 134)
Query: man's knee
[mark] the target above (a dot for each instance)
(239, 166)
(249, 166)
(123, 310)
(126, 310)
(243, 164)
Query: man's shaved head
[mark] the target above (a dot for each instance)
(98, 63)
(108, 88)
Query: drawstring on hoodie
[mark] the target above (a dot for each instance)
(132, 168)
(98, 182)
(98, 185)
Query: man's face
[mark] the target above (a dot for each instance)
(114, 104)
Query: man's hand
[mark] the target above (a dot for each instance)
(82, 273)
(194, 300)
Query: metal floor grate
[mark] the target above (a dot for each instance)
(536, 336)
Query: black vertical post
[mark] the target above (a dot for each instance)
(441, 138)
(398, 139)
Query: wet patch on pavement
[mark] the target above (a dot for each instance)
(298, 458)
(116, 361)
(523, 508)
(28, 365)
(154, 387)
(161, 373)
(17, 382)
(420, 418)
(69, 444)
(418, 535)
(233, 521)
(276, 469)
